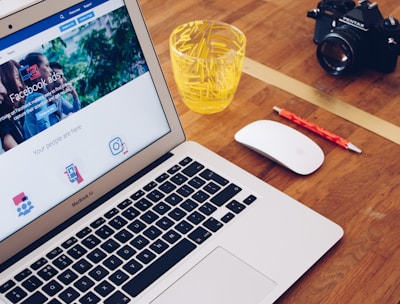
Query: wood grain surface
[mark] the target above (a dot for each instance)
(360, 192)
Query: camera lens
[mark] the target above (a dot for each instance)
(340, 51)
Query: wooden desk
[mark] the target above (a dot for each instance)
(359, 192)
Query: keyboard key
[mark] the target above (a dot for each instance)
(67, 277)
(150, 186)
(99, 273)
(212, 188)
(110, 214)
(39, 263)
(96, 255)
(97, 223)
(184, 162)
(162, 177)
(104, 232)
(139, 242)
(196, 217)
(77, 251)
(196, 182)
(124, 204)
(177, 214)
(225, 195)
(37, 298)
(83, 284)
(69, 295)
(146, 256)
(227, 217)
(32, 283)
(236, 207)
(23, 274)
(112, 262)
(213, 224)
(174, 169)
(126, 252)
(136, 226)
(207, 209)
(89, 298)
(167, 187)
(123, 236)
(7, 286)
(54, 301)
(199, 235)
(68, 243)
(52, 288)
(173, 199)
(161, 208)
(130, 213)
(164, 223)
(132, 266)
(150, 274)
(184, 227)
(189, 205)
(200, 196)
(143, 204)
(110, 245)
(152, 232)
(47, 272)
(118, 222)
(104, 288)
(185, 190)
(138, 194)
(149, 217)
(249, 200)
(16, 295)
(62, 262)
(179, 179)
(118, 277)
(159, 246)
(193, 169)
(52, 254)
(210, 175)
(155, 195)
(171, 236)
(117, 297)
(84, 232)
(91, 241)
(82, 266)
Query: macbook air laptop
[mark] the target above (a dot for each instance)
(102, 198)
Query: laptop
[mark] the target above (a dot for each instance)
(104, 200)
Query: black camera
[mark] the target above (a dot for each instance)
(351, 37)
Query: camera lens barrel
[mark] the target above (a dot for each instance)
(341, 51)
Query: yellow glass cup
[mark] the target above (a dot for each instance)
(207, 59)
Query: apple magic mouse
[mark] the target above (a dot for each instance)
(282, 144)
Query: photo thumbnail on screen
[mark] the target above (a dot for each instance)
(62, 76)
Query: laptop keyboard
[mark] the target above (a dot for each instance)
(118, 255)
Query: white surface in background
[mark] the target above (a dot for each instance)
(10, 6)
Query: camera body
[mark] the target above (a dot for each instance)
(351, 37)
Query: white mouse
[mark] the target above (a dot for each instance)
(282, 144)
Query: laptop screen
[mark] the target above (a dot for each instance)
(76, 101)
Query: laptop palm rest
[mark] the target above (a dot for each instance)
(220, 277)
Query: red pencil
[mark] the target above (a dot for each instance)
(316, 129)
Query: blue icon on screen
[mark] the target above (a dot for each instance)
(23, 204)
(117, 146)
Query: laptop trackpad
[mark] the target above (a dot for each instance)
(219, 278)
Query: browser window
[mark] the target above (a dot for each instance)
(61, 82)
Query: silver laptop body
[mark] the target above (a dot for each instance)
(75, 193)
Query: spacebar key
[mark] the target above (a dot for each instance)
(158, 268)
